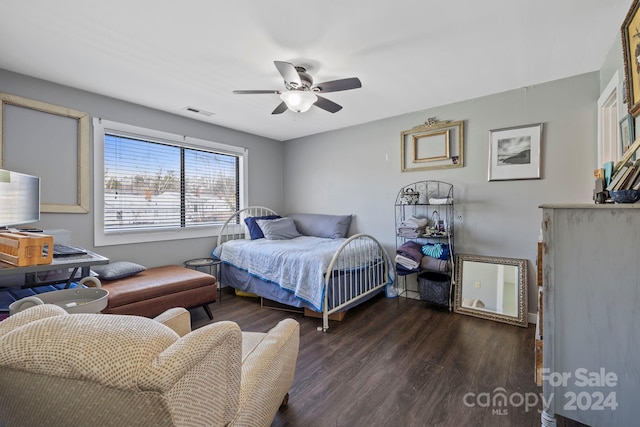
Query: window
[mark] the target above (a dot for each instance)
(152, 186)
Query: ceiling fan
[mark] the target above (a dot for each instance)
(301, 93)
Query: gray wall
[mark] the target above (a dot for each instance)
(265, 165)
(614, 61)
(357, 170)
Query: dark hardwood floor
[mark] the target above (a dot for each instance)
(400, 362)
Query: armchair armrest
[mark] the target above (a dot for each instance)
(268, 368)
(178, 319)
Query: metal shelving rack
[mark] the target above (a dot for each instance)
(434, 201)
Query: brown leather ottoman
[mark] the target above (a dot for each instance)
(157, 289)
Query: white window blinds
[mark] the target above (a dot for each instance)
(156, 185)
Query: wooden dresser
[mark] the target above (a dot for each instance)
(591, 305)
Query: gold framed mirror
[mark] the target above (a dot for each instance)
(493, 288)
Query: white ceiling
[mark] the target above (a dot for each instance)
(409, 55)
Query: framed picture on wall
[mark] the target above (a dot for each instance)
(626, 133)
(434, 145)
(514, 153)
(631, 52)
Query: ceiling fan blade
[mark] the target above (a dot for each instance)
(253, 92)
(288, 71)
(280, 108)
(327, 105)
(338, 85)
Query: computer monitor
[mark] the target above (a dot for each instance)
(19, 199)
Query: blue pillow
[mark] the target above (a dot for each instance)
(254, 229)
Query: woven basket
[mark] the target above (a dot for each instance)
(434, 287)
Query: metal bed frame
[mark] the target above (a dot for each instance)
(341, 290)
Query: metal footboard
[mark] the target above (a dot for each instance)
(359, 268)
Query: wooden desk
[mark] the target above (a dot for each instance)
(71, 263)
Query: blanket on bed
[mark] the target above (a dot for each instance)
(297, 265)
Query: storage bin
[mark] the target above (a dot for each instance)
(25, 249)
(434, 287)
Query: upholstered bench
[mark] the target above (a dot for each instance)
(154, 290)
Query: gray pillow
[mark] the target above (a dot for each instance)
(117, 270)
(319, 225)
(278, 229)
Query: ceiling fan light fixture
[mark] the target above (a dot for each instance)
(300, 92)
(299, 101)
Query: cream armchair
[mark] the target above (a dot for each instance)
(60, 369)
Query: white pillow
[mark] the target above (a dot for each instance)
(278, 229)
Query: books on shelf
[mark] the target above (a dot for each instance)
(631, 178)
(608, 170)
(635, 185)
(626, 178)
(616, 178)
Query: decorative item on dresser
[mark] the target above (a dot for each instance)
(625, 196)
(627, 133)
(620, 172)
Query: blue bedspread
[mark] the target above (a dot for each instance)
(297, 265)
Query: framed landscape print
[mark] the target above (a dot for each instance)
(631, 52)
(514, 153)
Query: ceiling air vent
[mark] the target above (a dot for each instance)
(199, 111)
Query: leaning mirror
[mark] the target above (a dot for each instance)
(491, 288)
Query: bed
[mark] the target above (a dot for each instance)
(302, 260)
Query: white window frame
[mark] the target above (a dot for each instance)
(102, 126)
(610, 112)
